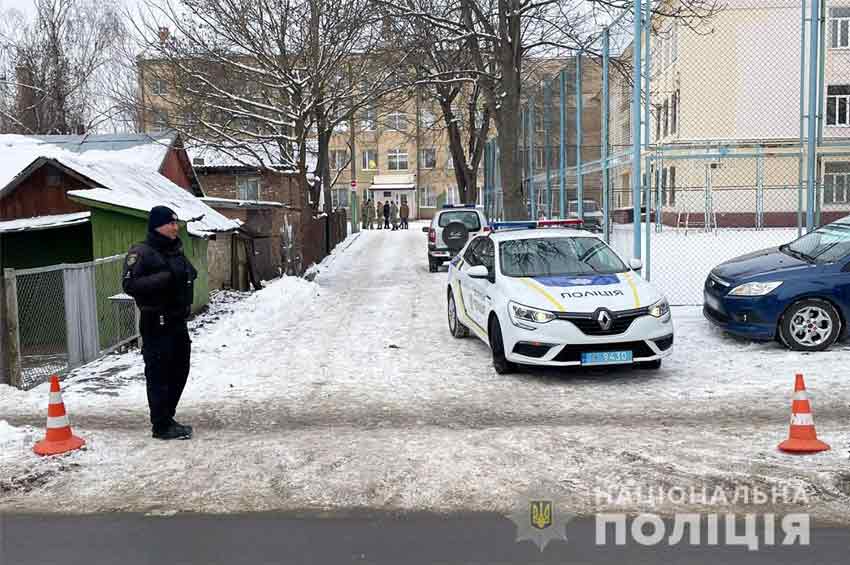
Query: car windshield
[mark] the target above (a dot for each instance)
(468, 218)
(824, 245)
(558, 256)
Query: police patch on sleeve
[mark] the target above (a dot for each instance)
(132, 258)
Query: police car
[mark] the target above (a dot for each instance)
(451, 228)
(540, 293)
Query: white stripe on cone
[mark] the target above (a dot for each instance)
(55, 398)
(54, 422)
(800, 395)
(802, 420)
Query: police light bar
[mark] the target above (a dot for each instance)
(539, 224)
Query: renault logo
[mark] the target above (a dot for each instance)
(604, 318)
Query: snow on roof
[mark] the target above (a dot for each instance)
(44, 222)
(125, 167)
(140, 150)
(213, 200)
(140, 189)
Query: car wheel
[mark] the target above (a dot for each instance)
(650, 365)
(810, 325)
(497, 346)
(433, 267)
(457, 329)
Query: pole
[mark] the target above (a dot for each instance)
(813, 110)
(606, 47)
(562, 172)
(530, 144)
(547, 103)
(579, 139)
(802, 119)
(635, 117)
(647, 70)
(821, 92)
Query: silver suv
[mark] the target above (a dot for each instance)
(450, 229)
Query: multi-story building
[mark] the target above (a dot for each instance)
(726, 116)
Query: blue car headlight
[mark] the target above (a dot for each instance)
(755, 288)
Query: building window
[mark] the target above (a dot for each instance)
(428, 158)
(837, 105)
(338, 159)
(160, 121)
(839, 27)
(370, 160)
(248, 188)
(450, 162)
(159, 87)
(397, 160)
(339, 196)
(370, 118)
(674, 42)
(836, 183)
(539, 158)
(427, 197)
(666, 115)
(427, 118)
(452, 195)
(538, 120)
(397, 121)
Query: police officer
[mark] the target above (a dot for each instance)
(160, 278)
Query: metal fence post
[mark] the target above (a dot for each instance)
(547, 146)
(606, 218)
(13, 336)
(532, 194)
(562, 157)
(579, 139)
(811, 166)
(636, 130)
(802, 118)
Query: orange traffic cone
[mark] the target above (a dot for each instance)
(802, 437)
(59, 437)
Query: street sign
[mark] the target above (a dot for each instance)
(354, 184)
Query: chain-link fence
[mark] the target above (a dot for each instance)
(64, 316)
(705, 150)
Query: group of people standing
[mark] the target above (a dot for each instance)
(394, 216)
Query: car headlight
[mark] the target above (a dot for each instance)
(520, 314)
(660, 308)
(755, 288)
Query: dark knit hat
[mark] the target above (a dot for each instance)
(160, 215)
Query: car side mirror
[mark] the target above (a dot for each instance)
(635, 264)
(426, 229)
(478, 272)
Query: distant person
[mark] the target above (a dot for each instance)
(379, 211)
(364, 214)
(404, 211)
(394, 215)
(387, 215)
(161, 279)
(370, 214)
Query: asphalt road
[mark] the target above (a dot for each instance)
(254, 539)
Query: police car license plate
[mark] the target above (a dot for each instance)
(606, 357)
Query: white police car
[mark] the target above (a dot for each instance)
(540, 294)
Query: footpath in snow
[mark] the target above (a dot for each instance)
(349, 392)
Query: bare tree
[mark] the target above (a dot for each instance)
(49, 66)
(265, 81)
(499, 37)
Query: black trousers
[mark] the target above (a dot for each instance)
(386, 222)
(167, 354)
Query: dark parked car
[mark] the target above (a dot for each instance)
(798, 293)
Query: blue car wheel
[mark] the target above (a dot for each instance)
(810, 325)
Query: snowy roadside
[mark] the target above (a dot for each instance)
(349, 392)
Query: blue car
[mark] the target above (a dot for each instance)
(797, 293)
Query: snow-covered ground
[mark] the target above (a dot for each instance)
(349, 392)
(680, 260)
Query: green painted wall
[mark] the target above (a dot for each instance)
(42, 248)
(115, 233)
